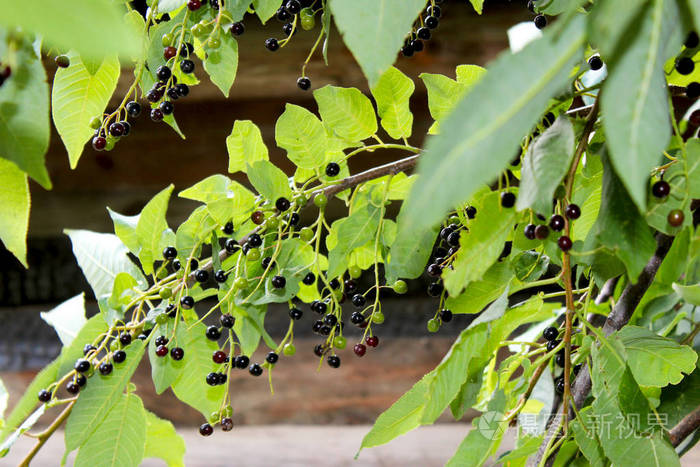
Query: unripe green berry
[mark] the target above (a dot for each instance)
(167, 39)
(165, 293)
(306, 234)
(214, 43)
(253, 254)
(228, 411)
(400, 287)
(272, 223)
(289, 349)
(95, 123)
(240, 283)
(214, 417)
(300, 200)
(378, 317)
(433, 325)
(320, 200)
(162, 318)
(308, 20)
(354, 271)
(339, 342)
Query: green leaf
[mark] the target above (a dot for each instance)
(193, 231)
(355, 230)
(679, 400)
(479, 294)
(491, 119)
(393, 93)
(689, 293)
(269, 180)
(544, 166)
(166, 6)
(529, 265)
(237, 8)
(122, 295)
(190, 387)
(584, 430)
(125, 229)
(77, 97)
(408, 260)
(620, 227)
(347, 112)
(245, 146)
(481, 246)
(150, 228)
(374, 30)
(636, 120)
(302, 135)
(14, 213)
(483, 440)
(222, 63)
(162, 441)
(99, 29)
(67, 319)
(99, 397)
(265, 9)
(120, 439)
(23, 428)
(607, 24)
(654, 360)
(478, 5)
(101, 257)
(248, 326)
(24, 112)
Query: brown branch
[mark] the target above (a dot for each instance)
(46, 434)
(391, 168)
(685, 427)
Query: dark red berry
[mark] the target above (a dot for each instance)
(169, 52)
(557, 223)
(564, 243)
(661, 189)
(226, 424)
(541, 231)
(205, 429)
(116, 129)
(257, 217)
(675, 218)
(572, 211)
(219, 356)
(372, 341)
(161, 351)
(194, 5)
(359, 349)
(99, 143)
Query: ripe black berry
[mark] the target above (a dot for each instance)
(357, 318)
(319, 307)
(471, 212)
(417, 45)
(359, 300)
(675, 218)
(572, 211)
(156, 115)
(282, 204)
(309, 278)
(212, 379)
(334, 283)
(293, 7)
(453, 239)
(255, 369)
(295, 313)
(220, 276)
(278, 282)
(550, 333)
(434, 11)
(177, 353)
(692, 40)
(237, 28)
(685, 65)
(319, 350)
(350, 285)
(213, 333)
(161, 340)
(88, 348)
(105, 368)
(445, 315)
(661, 189)
(187, 66)
(242, 362)
(62, 61)
(169, 253)
(332, 169)
(99, 143)
(541, 232)
(540, 21)
(272, 357)
(81, 380)
(304, 83)
(318, 324)
(72, 387)
(205, 429)
(330, 320)
(227, 321)
(507, 199)
(116, 129)
(407, 50)
(163, 73)
(435, 289)
(423, 33)
(271, 44)
(293, 218)
(434, 269)
(187, 302)
(182, 89)
(82, 366)
(201, 275)
(254, 240)
(231, 245)
(133, 108)
(529, 231)
(44, 396)
(334, 361)
(559, 385)
(595, 62)
(431, 22)
(551, 345)
(153, 95)
(119, 356)
(559, 359)
(564, 243)
(265, 263)
(226, 424)
(557, 222)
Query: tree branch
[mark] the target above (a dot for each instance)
(391, 168)
(685, 427)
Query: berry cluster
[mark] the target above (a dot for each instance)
(422, 29)
(540, 19)
(551, 336)
(557, 223)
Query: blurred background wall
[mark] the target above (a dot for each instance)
(153, 156)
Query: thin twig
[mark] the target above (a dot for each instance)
(685, 427)
(46, 434)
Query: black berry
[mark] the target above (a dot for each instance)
(72, 387)
(357, 318)
(242, 362)
(119, 356)
(220, 276)
(169, 253)
(445, 315)
(177, 353)
(309, 278)
(557, 223)
(161, 340)
(105, 368)
(359, 300)
(431, 22)
(295, 313)
(332, 169)
(88, 348)
(319, 307)
(231, 245)
(435, 289)
(187, 302)
(278, 282)
(226, 424)
(507, 199)
(685, 65)
(62, 61)
(254, 240)
(471, 212)
(282, 204)
(205, 429)
(156, 115)
(661, 189)
(187, 66)
(212, 379)
(182, 89)
(272, 357)
(271, 44)
(237, 28)
(201, 275)
(529, 231)
(572, 211)
(595, 62)
(304, 83)
(540, 21)
(82, 366)
(44, 396)
(133, 109)
(255, 369)
(163, 73)
(213, 333)
(334, 361)
(227, 321)
(550, 333)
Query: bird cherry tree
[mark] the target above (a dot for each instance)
(554, 203)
